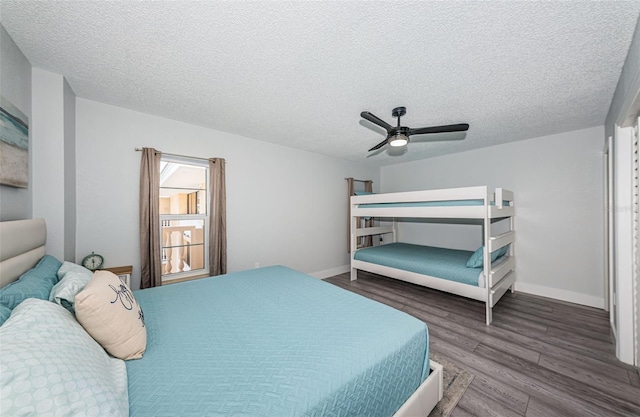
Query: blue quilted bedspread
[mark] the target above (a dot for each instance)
(444, 263)
(273, 342)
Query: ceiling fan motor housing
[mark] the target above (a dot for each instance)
(400, 130)
(399, 111)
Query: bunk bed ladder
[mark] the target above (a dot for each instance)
(636, 238)
(487, 257)
(512, 250)
(353, 224)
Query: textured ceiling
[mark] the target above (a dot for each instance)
(300, 73)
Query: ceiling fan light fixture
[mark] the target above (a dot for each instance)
(399, 140)
(398, 136)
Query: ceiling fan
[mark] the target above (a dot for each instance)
(399, 135)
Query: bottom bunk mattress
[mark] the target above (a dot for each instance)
(450, 264)
(273, 342)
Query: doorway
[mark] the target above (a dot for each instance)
(609, 237)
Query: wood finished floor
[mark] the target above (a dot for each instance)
(540, 357)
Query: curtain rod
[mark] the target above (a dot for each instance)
(360, 180)
(175, 154)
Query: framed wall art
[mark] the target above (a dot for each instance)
(14, 145)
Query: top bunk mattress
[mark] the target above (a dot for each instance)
(273, 342)
(449, 203)
(443, 263)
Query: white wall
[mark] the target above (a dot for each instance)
(558, 186)
(15, 85)
(69, 103)
(53, 134)
(47, 132)
(625, 103)
(284, 206)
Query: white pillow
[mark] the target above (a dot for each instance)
(67, 267)
(50, 366)
(73, 278)
(109, 312)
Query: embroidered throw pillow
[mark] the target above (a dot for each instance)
(108, 311)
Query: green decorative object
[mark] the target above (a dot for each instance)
(93, 261)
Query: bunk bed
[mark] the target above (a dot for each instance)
(439, 268)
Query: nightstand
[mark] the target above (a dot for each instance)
(123, 272)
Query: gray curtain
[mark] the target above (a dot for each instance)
(217, 218)
(150, 250)
(350, 192)
(368, 240)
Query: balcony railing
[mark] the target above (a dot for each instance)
(182, 249)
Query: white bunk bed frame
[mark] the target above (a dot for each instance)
(498, 278)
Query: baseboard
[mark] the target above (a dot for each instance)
(331, 272)
(563, 295)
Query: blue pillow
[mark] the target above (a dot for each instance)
(477, 260)
(363, 192)
(35, 283)
(4, 314)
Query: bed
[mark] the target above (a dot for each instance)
(264, 342)
(440, 268)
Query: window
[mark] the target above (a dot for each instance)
(184, 217)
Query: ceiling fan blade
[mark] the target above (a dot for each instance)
(461, 127)
(376, 120)
(439, 137)
(379, 145)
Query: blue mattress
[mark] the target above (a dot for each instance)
(273, 342)
(437, 262)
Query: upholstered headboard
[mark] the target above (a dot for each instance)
(21, 247)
